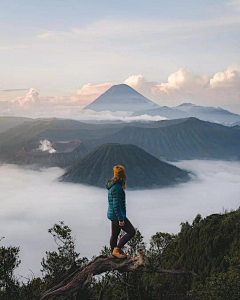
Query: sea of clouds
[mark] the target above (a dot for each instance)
(33, 200)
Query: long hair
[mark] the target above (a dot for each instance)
(119, 174)
(121, 180)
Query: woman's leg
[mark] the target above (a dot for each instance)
(130, 232)
(115, 232)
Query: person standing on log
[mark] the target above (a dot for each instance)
(117, 212)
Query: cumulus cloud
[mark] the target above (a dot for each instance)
(30, 98)
(182, 86)
(227, 79)
(136, 81)
(141, 84)
(222, 89)
(94, 89)
(182, 79)
(27, 213)
(82, 97)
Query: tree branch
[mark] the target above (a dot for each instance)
(80, 279)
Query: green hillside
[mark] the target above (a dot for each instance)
(10, 122)
(189, 139)
(203, 245)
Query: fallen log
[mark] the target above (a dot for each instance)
(80, 278)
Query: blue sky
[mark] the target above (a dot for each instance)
(58, 46)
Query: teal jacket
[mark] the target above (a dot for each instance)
(116, 201)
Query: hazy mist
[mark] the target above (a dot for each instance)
(32, 201)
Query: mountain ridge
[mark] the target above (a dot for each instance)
(189, 139)
(184, 110)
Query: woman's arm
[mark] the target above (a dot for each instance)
(117, 196)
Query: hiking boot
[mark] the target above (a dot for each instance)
(122, 252)
(117, 252)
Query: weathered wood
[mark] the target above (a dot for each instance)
(80, 279)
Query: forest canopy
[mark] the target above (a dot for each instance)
(209, 247)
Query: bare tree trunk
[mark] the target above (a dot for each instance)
(80, 279)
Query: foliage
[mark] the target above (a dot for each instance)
(209, 246)
(222, 286)
(203, 245)
(56, 262)
(9, 261)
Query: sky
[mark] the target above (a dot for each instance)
(32, 201)
(72, 51)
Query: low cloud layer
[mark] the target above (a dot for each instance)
(32, 201)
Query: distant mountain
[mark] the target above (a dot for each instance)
(163, 111)
(45, 159)
(184, 110)
(10, 122)
(236, 123)
(212, 114)
(143, 170)
(121, 97)
(29, 134)
(186, 139)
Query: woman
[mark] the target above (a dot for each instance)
(117, 212)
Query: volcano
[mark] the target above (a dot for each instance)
(121, 97)
(143, 170)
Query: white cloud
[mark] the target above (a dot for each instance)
(228, 78)
(78, 114)
(182, 79)
(94, 89)
(138, 29)
(222, 89)
(32, 201)
(30, 98)
(136, 80)
(235, 4)
(116, 116)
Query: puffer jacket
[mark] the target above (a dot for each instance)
(116, 201)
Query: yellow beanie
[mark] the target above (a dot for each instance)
(119, 172)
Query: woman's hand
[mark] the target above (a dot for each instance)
(121, 223)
